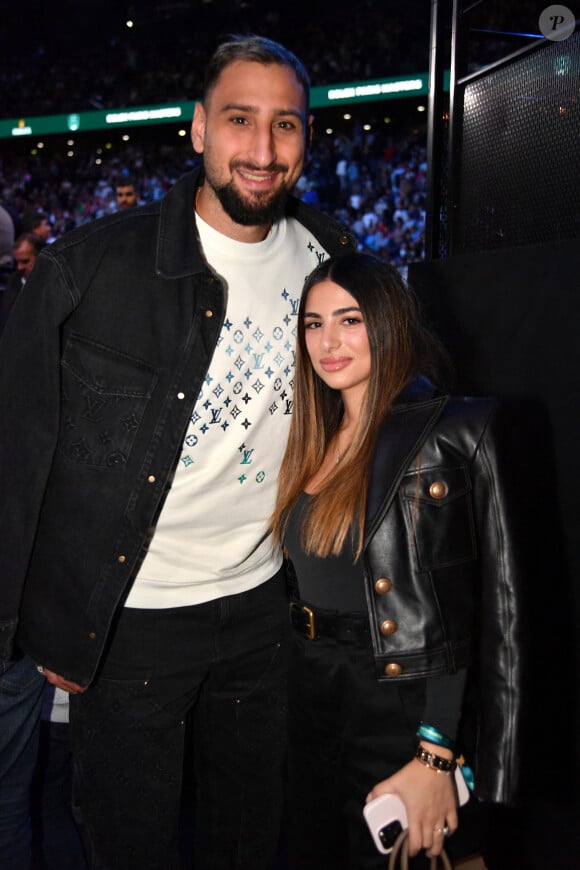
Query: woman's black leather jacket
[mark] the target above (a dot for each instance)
(443, 563)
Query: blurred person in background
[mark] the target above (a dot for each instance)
(26, 249)
(126, 194)
(37, 222)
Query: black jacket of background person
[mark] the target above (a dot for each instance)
(124, 309)
(444, 565)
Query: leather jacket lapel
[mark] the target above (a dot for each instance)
(399, 440)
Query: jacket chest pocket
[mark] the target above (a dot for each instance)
(104, 397)
(439, 515)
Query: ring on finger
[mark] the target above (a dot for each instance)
(442, 830)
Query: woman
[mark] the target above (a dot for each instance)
(392, 508)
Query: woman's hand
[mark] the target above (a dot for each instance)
(429, 799)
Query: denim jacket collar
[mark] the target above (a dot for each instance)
(178, 250)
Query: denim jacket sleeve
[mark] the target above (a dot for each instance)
(29, 398)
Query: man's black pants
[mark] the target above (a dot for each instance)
(221, 663)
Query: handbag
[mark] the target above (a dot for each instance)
(399, 857)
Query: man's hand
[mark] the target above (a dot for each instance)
(61, 683)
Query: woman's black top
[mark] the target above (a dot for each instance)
(332, 583)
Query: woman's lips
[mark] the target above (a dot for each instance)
(335, 363)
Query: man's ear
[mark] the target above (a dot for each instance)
(198, 128)
(309, 132)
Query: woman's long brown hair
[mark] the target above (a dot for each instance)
(401, 348)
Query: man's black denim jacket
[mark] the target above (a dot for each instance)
(119, 321)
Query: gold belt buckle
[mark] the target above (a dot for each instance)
(310, 628)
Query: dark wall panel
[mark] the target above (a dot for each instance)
(516, 178)
(511, 322)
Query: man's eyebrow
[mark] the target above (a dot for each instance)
(253, 110)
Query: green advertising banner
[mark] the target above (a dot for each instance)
(328, 95)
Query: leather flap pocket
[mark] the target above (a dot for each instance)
(439, 516)
(436, 486)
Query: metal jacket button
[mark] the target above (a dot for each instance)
(393, 669)
(438, 489)
(387, 627)
(383, 585)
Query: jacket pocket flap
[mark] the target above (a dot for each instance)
(107, 371)
(435, 486)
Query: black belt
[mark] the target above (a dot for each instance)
(325, 623)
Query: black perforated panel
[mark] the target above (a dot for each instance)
(519, 176)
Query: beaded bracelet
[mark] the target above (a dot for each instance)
(435, 762)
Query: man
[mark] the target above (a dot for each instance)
(143, 466)
(26, 249)
(7, 233)
(20, 684)
(37, 222)
(126, 194)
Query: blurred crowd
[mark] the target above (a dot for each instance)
(373, 183)
(81, 63)
(371, 180)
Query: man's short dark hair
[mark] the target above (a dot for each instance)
(32, 219)
(126, 181)
(258, 49)
(35, 241)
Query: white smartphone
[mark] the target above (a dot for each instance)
(386, 815)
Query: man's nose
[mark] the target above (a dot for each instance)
(263, 149)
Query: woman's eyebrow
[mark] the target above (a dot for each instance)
(336, 313)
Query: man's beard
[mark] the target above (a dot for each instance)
(261, 211)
